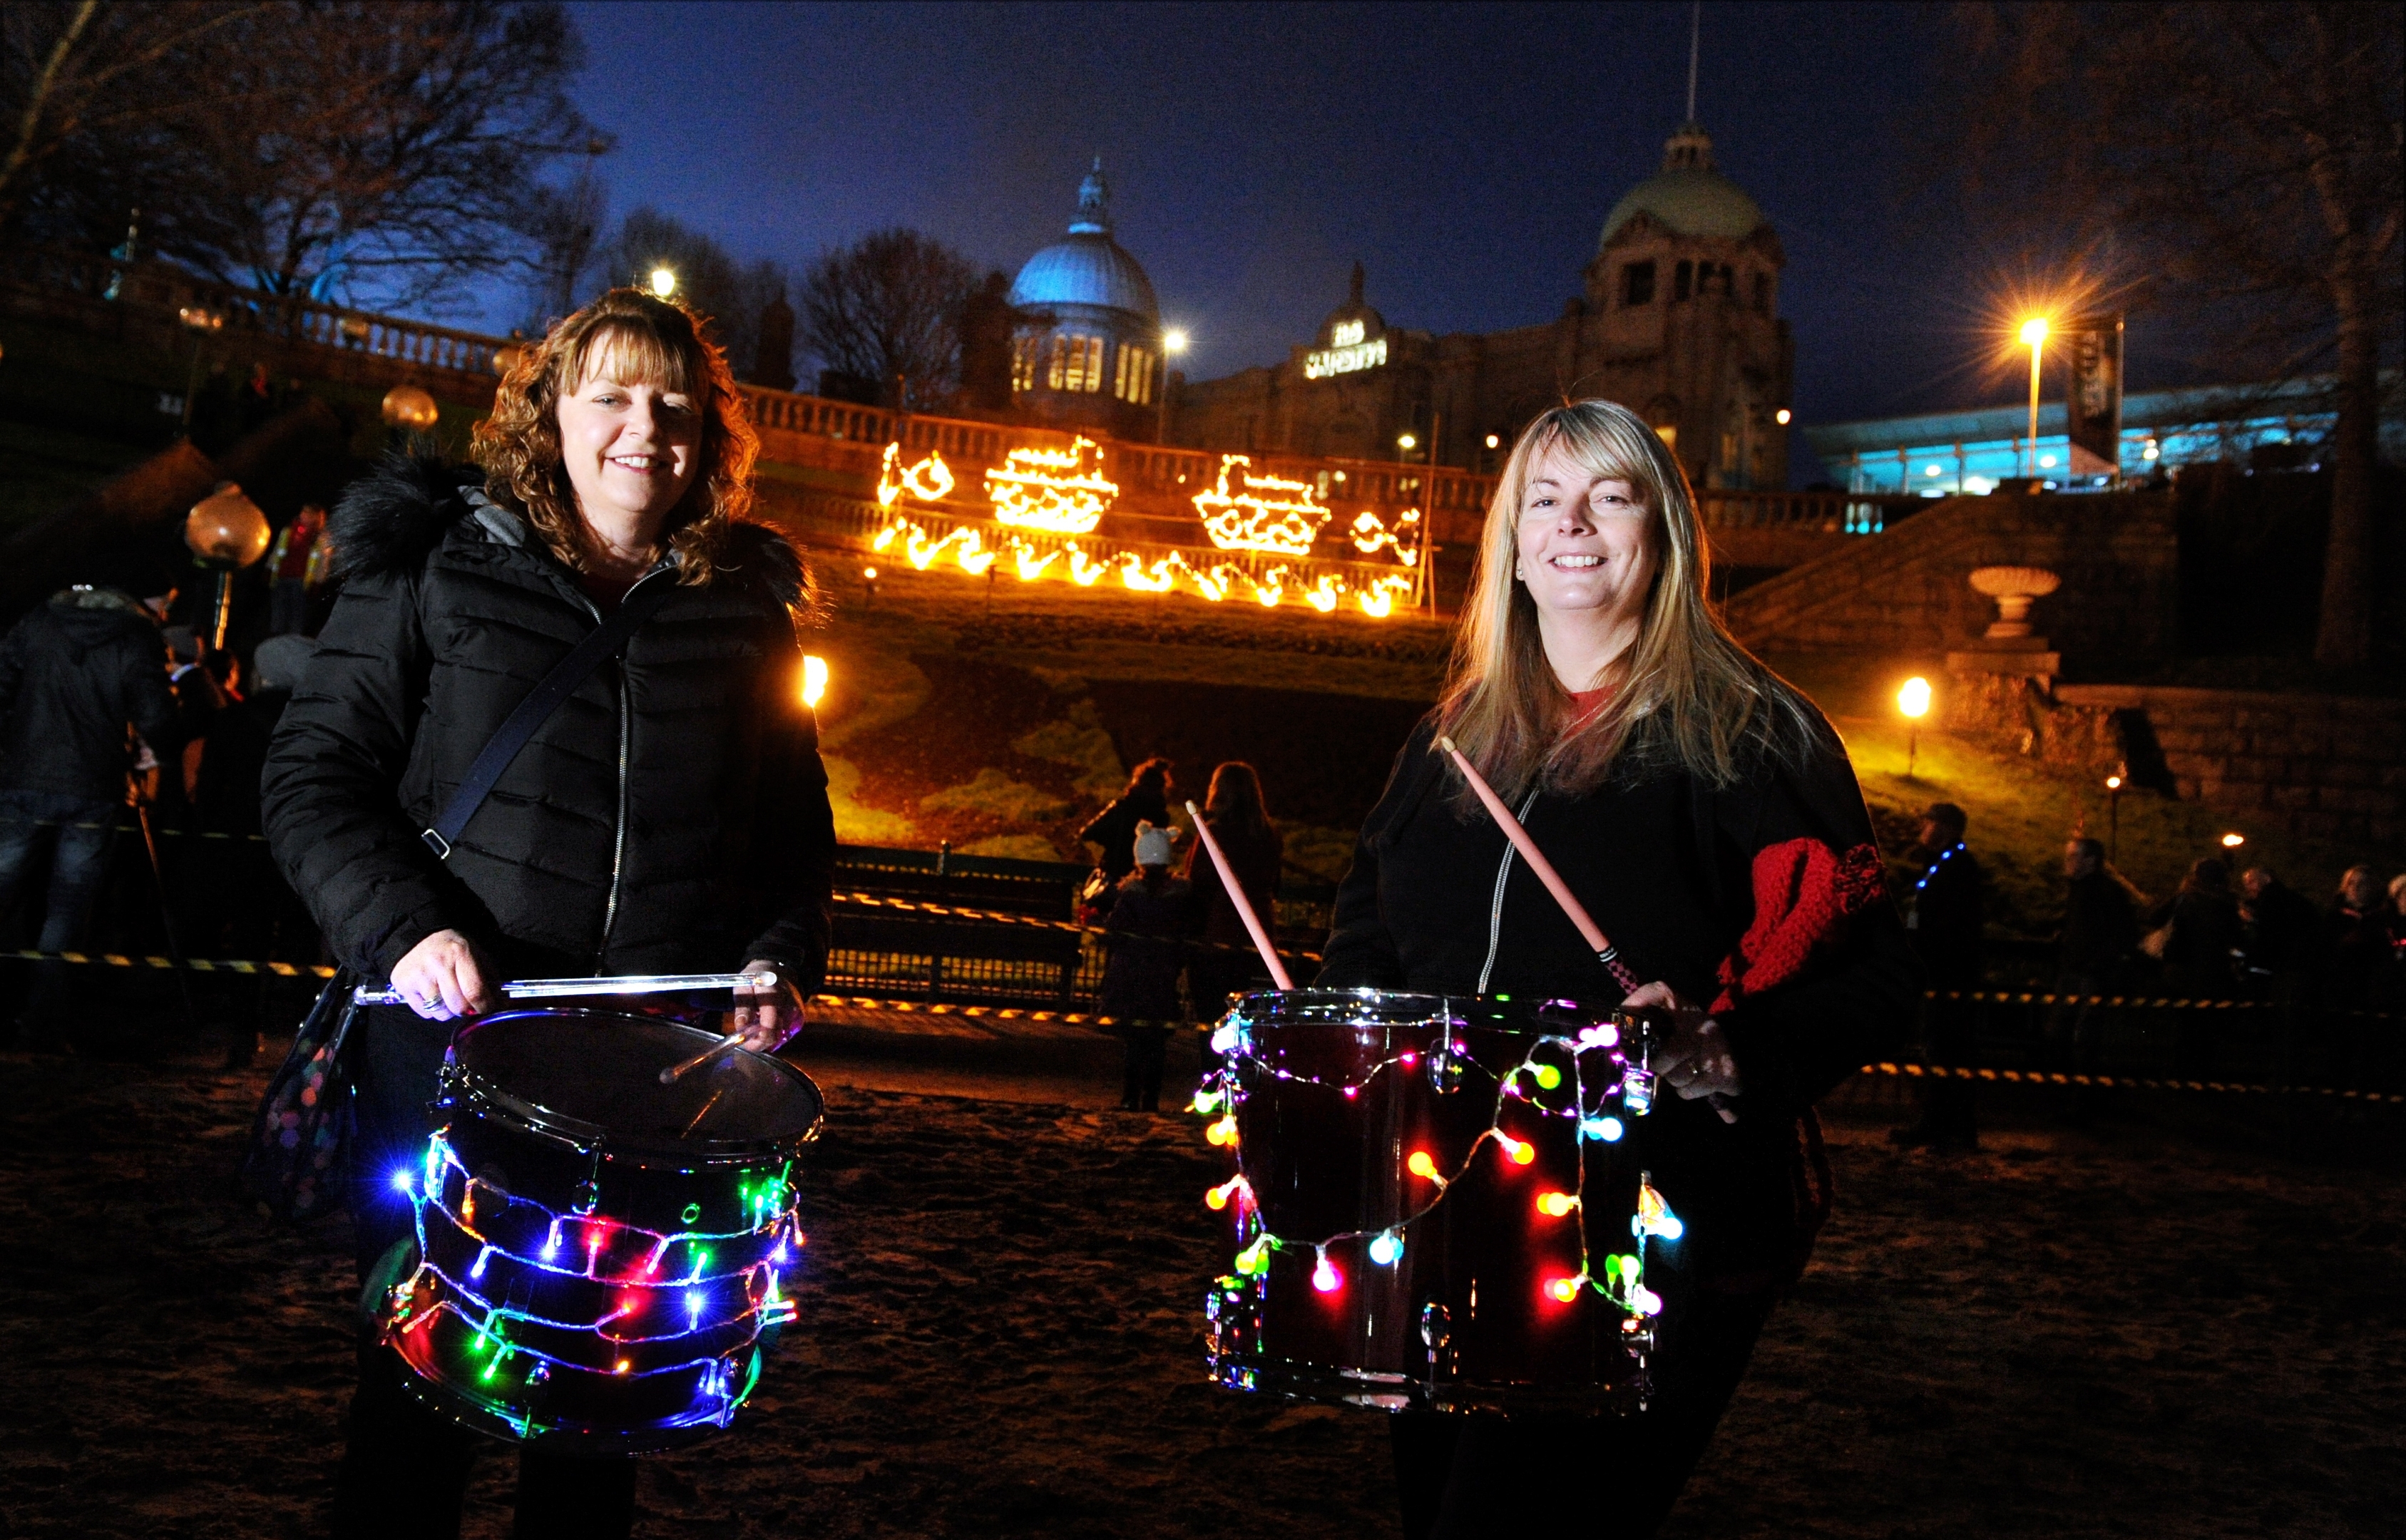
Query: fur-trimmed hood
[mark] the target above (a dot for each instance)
(391, 519)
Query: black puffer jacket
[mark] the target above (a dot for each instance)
(670, 816)
(1663, 863)
(72, 675)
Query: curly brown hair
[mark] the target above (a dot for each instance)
(657, 342)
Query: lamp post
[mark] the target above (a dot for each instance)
(1173, 341)
(663, 282)
(225, 532)
(2035, 334)
(1913, 699)
(2114, 816)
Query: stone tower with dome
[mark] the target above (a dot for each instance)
(1677, 319)
(1087, 349)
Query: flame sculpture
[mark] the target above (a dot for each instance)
(1370, 534)
(930, 481)
(1217, 583)
(1059, 492)
(1266, 513)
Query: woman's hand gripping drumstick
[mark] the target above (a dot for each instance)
(1244, 905)
(767, 1014)
(1687, 1054)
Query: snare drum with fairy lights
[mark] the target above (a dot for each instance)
(602, 1248)
(1439, 1203)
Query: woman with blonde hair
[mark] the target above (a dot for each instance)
(669, 814)
(1707, 818)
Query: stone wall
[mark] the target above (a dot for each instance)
(2332, 767)
(1905, 592)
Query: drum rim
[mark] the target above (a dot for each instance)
(463, 1086)
(1480, 1011)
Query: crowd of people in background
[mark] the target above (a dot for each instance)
(2331, 974)
(119, 714)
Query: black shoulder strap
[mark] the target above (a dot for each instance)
(531, 713)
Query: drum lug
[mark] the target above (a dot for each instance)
(1444, 1072)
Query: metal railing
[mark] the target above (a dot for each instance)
(1826, 513)
(205, 305)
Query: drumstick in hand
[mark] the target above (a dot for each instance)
(1589, 930)
(1244, 905)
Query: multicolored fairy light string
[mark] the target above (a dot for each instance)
(531, 1293)
(1551, 1080)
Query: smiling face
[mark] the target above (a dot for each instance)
(1583, 546)
(631, 448)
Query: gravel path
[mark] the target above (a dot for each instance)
(2067, 1336)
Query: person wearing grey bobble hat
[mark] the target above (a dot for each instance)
(1150, 914)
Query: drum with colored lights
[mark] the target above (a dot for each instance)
(1438, 1202)
(600, 1255)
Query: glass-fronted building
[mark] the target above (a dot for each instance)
(1954, 452)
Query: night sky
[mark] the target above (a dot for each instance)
(1467, 155)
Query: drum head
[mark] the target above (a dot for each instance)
(587, 1077)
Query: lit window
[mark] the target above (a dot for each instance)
(1059, 371)
(1024, 352)
(1119, 376)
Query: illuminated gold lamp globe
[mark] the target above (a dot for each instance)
(226, 528)
(408, 408)
(2014, 589)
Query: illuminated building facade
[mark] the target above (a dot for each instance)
(1679, 321)
(1087, 349)
(2275, 426)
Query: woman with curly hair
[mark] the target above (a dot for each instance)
(669, 816)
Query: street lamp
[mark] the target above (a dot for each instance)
(1913, 699)
(1407, 443)
(410, 408)
(815, 679)
(1173, 341)
(2035, 334)
(2114, 816)
(1783, 416)
(663, 282)
(2233, 841)
(225, 532)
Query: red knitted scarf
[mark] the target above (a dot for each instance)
(1804, 893)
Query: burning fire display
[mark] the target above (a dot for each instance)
(1062, 494)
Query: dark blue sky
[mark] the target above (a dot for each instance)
(1468, 155)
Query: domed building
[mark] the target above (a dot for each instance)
(1677, 319)
(1088, 352)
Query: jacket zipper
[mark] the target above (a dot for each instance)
(626, 733)
(1496, 909)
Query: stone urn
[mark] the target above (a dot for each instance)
(2014, 588)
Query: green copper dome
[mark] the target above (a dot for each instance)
(1688, 194)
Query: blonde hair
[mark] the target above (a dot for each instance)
(1685, 693)
(654, 341)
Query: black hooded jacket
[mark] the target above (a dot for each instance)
(669, 816)
(73, 674)
(1665, 864)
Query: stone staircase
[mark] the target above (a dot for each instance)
(1904, 592)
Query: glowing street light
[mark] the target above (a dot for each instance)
(1407, 443)
(815, 679)
(664, 283)
(1913, 699)
(2233, 841)
(1173, 341)
(2035, 334)
(1783, 416)
(2114, 815)
(1493, 441)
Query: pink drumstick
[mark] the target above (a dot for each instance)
(1544, 868)
(1244, 905)
(1589, 931)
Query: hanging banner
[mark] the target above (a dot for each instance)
(2092, 406)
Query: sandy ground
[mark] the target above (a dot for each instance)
(2122, 1332)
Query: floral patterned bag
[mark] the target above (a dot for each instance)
(299, 1161)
